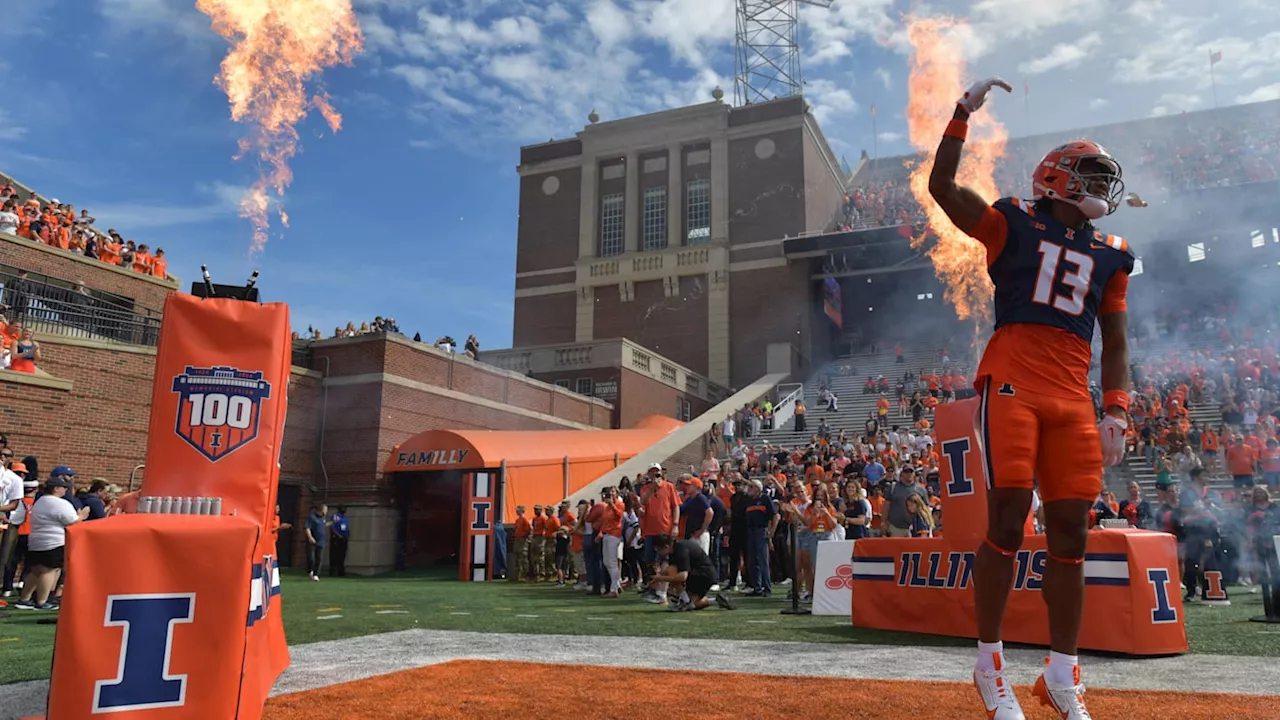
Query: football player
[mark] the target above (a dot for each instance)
(1055, 275)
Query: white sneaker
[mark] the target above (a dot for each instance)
(1068, 701)
(997, 695)
(715, 588)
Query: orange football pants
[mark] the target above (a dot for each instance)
(1029, 437)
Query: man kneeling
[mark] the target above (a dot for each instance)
(687, 566)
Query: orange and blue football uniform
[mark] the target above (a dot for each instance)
(1036, 417)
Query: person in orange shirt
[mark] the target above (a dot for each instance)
(538, 545)
(611, 537)
(550, 531)
(659, 514)
(1242, 460)
(159, 266)
(110, 248)
(1209, 442)
(520, 545)
(142, 260)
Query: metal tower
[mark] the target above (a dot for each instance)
(767, 58)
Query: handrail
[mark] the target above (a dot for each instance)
(80, 315)
(785, 408)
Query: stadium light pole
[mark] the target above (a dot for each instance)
(767, 53)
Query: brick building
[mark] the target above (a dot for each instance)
(636, 381)
(668, 229)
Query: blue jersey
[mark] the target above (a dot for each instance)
(1050, 274)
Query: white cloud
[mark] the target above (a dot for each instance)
(885, 77)
(889, 136)
(610, 24)
(497, 73)
(10, 130)
(223, 202)
(1063, 55)
(1174, 103)
(1266, 92)
(161, 17)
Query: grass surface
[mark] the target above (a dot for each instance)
(363, 606)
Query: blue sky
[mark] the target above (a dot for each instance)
(411, 210)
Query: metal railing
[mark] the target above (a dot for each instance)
(48, 308)
(785, 408)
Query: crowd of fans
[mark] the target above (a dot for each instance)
(382, 325)
(1173, 154)
(752, 501)
(34, 515)
(56, 224)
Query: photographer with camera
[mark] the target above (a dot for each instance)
(659, 515)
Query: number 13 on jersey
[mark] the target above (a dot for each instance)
(1060, 266)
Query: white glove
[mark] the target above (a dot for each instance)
(976, 96)
(1113, 441)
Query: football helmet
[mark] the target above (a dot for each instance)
(1083, 174)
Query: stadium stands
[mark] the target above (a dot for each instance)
(1192, 151)
(26, 215)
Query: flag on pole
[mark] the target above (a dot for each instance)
(1026, 88)
(1215, 57)
(873, 109)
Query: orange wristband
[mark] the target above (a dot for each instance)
(1115, 398)
(957, 129)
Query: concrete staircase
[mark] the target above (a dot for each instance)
(846, 376)
(679, 439)
(1135, 467)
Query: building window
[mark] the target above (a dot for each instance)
(583, 386)
(698, 211)
(612, 213)
(562, 384)
(655, 219)
(684, 410)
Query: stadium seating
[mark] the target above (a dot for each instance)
(1214, 148)
(846, 377)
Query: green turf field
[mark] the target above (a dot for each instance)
(349, 607)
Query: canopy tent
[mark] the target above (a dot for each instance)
(542, 466)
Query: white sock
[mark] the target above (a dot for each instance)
(1061, 671)
(988, 653)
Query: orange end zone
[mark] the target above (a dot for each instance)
(479, 688)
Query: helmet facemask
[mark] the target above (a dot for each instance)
(1094, 184)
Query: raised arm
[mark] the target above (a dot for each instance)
(966, 208)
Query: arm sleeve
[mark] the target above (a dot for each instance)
(992, 231)
(1115, 295)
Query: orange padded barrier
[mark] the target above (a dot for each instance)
(1133, 602)
(176, 616)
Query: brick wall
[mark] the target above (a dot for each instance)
(547, 319)
(146, 291)
(674, 327)
(103, 427)
(32, 417)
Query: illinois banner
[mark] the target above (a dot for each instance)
(218, 403)
(162, 636)
(1132, 599)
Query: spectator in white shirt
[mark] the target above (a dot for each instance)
(12, 477)
(9, 219)
(50, 516)
(729, 430)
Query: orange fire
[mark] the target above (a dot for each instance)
(937, 80)
(277, 46)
